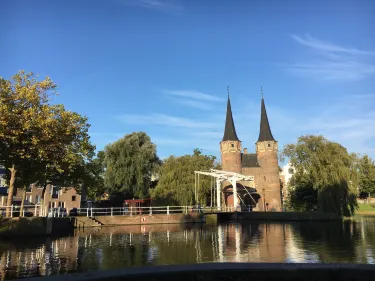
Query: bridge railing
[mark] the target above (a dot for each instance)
(166, 210)
(36, 210)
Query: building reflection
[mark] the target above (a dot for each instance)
(117, 247)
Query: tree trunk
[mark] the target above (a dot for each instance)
(23, 201)
(13, 173)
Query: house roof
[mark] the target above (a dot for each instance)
(265, 133)
(250, 160)
(229, 131)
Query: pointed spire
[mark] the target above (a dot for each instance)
(265, 133)
(229, 131)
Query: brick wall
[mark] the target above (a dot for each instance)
(269, 180)
(231, 156)
(66, 197)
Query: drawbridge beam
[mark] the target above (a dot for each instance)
(221, 176)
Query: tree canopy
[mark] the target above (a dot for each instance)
(322, 169)
(91, 176)
(366, 175)
(176, 184)
(43, 140)
(129, 164)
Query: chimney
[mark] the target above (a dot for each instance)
(245, 151)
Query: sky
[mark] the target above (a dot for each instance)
(163, 67)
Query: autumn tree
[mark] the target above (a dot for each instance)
(323, 168)
(35, 133)
(176, 184)
(129, 164)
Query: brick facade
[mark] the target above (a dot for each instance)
(65, 197)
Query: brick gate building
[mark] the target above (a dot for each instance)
(263, 165)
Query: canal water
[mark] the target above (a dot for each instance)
(119, 247)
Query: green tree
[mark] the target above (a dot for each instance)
(325, 167)
(129, 164)
(304, 197)
(176, 184)
(366, 175)
(34, 133)
(91, 177)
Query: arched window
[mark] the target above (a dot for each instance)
(232, 144)
(269, 145)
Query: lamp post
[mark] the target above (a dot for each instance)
(264, 200)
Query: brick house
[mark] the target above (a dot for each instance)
(263, 165)
(53, 198)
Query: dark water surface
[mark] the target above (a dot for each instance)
(118, 247)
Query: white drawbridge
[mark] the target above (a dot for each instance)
(221, 176)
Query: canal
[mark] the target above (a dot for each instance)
(119, 247)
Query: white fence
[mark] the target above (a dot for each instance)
(28, 211)
(36, 210)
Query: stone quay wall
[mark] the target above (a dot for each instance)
(278, 216)
(97, 221)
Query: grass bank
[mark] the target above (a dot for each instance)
(34, 226)
(10, 227)
(366, 209)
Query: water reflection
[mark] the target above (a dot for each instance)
(115, 247)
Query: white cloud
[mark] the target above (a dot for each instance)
(332, 62)
(193, 98)
(166, 120)
(324, 46)
(193, 103)
(190, 94)
(166, 6)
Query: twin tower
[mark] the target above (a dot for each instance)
(264, 194)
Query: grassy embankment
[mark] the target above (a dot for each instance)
(22, 226)
(366, 209)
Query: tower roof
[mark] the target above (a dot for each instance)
(265, 133)
(229, 131)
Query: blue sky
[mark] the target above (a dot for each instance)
(162, 66)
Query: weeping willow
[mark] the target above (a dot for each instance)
(327, 167)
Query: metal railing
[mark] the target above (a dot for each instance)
(36, 210)
(15, 211)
